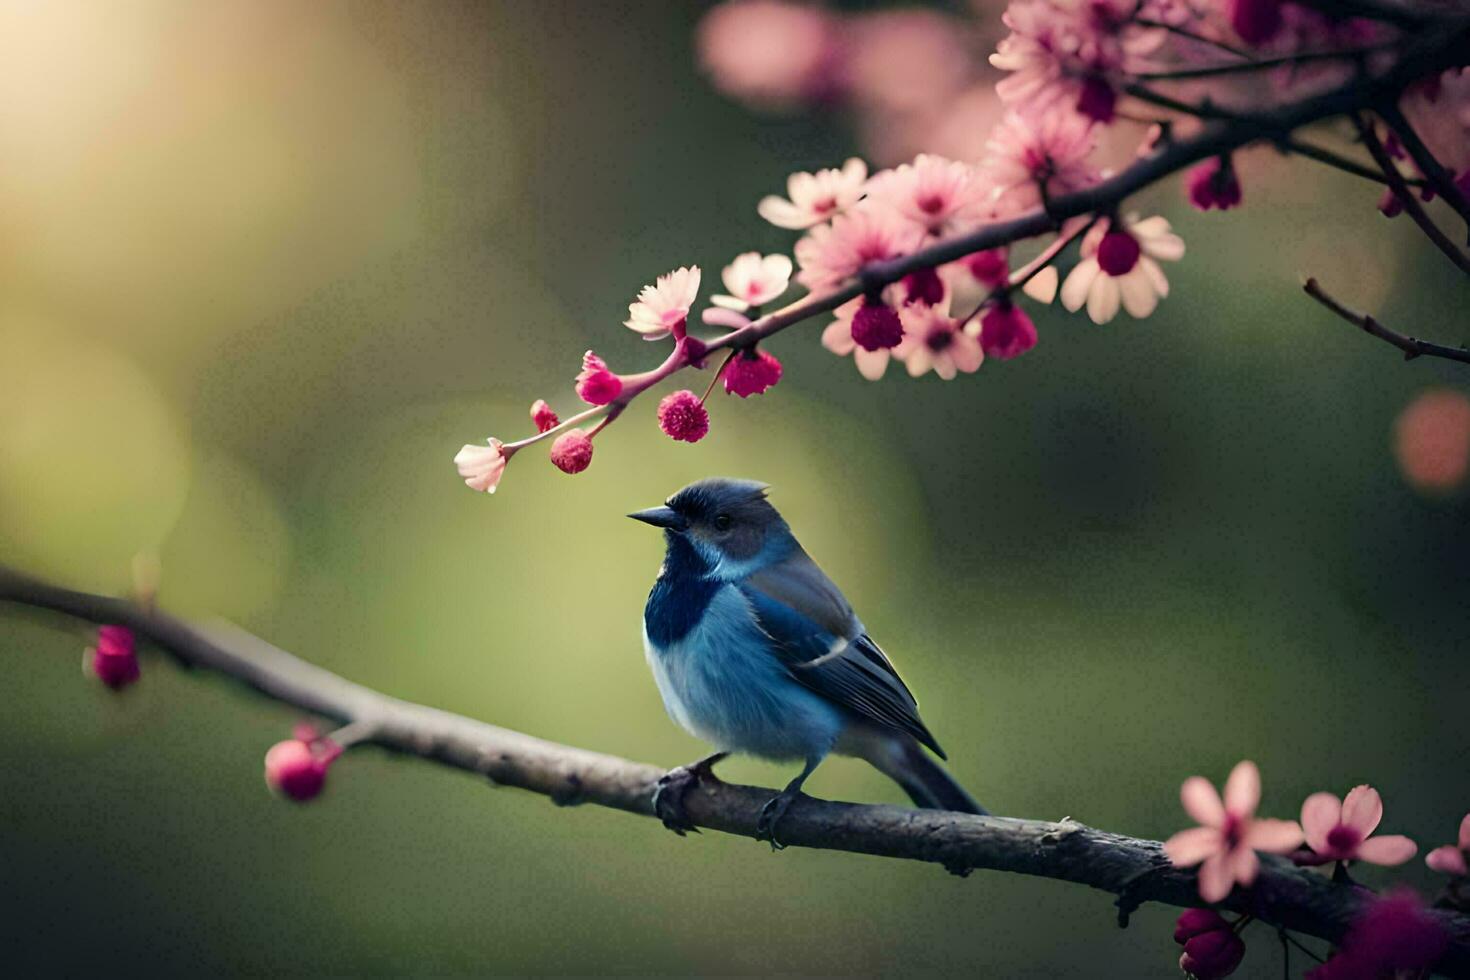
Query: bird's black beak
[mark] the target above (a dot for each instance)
(661, 517)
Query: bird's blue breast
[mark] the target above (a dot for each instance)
(680, 596)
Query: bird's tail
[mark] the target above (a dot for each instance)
(904, 760)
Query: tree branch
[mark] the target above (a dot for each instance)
(1411, 346)
(1406, 197)
(1436, 173)
(1135, 870)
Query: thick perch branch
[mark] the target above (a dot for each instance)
(1135, 870)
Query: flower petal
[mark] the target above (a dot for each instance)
(837, 337)
(1042, 287)
(1079, 283)
(1190, 847)
(1388, 850)
(1201, 801)
(1273, 836)
(1362, 809)
(1243, 789)
(1449, 860)
(783, 214)
(728, 302)
(1243, 865)
(1139, 298)
(1102, 301)
(1215, 878)
(1320, 813)
(870, 363)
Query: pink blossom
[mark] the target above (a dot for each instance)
(769, 53)
(1213, 184)
(1006, 331)
(939, 196)
(1119, 264)
(753, 280)
(482, 466)
(815, 198)
(1393, 933)
(934, 340)
(596, 385)
(297, 769)
(543, 417)
(837, 338)
(1225, 843)
(1339, 830)
(751, 372)
(572, 451)
(1451, 859)
(831, 254)
(682, 416)
(114, 660)
(663, 308)
(1027, 155)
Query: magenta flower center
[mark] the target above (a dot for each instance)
(1232, 831)
(1118, 253)
(931, 203)
(939, 339)
(1343, 839)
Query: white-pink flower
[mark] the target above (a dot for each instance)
(663, 308)
(830, 254)
(1229, 835)
(938, 195)
(934, 340)
(753, 280)
(482, 466)
(1027, 155)
(1339, 830)
(815, 198)
(837, 338)
(1451, 859)
(1120, 265)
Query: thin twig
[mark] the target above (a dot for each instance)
(1406, 198)
(1259, 64)
(1411, 346)
(1435, 172)
(1339, 162)
(1283, 895)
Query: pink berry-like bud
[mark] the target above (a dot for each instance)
(1194, 922)
(923, 286)
(596, 385)
(990, 267)
(1390, 204)
(751, 372)
(1256, 21)
(298, 770)
(682, 416)
(114, 660)
(1118, 253)
(572, 451)
(1213, 184)
(1097, 100)
(1212, 955)
(876, 326)
(1006, 331)
(543, 417)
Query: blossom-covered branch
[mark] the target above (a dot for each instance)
(915, 261)
(1134, 870)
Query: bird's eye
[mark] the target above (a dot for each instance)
(722, 522)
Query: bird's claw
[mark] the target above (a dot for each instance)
(668, 795)
(771, 814)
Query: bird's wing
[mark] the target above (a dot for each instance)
(815, 634)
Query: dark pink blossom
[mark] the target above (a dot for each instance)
(1006, 331)
(114, 660)
(682, 416)
(572, 451)
(876, 326)
(297, 769)
(1213, 184)
(1393, 933)
(543, 417)
(923, 286)
(596, 385)
(751, 372)
(1212, 954)
(1255, 21)
(991, 267)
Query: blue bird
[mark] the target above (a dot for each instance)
(756, 651)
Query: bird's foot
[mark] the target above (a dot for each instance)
(771, 814)
(668, 796)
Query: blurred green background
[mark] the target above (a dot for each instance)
(265, 267)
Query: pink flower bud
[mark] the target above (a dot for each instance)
(1213, 184)
(1256, 21)
(542, 416)
(1212, 955)
(923, 286)
(572, 451)
(990, 267)
(1194, 922)
(1118, 253)
(114, 660)
(298, 770)
(682, 416)
(596, 385)
(1390, 204)
(1097, 99)
(876, 326)
(751, 372)
(1006, 331)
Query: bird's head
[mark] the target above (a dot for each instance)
(730, 523)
